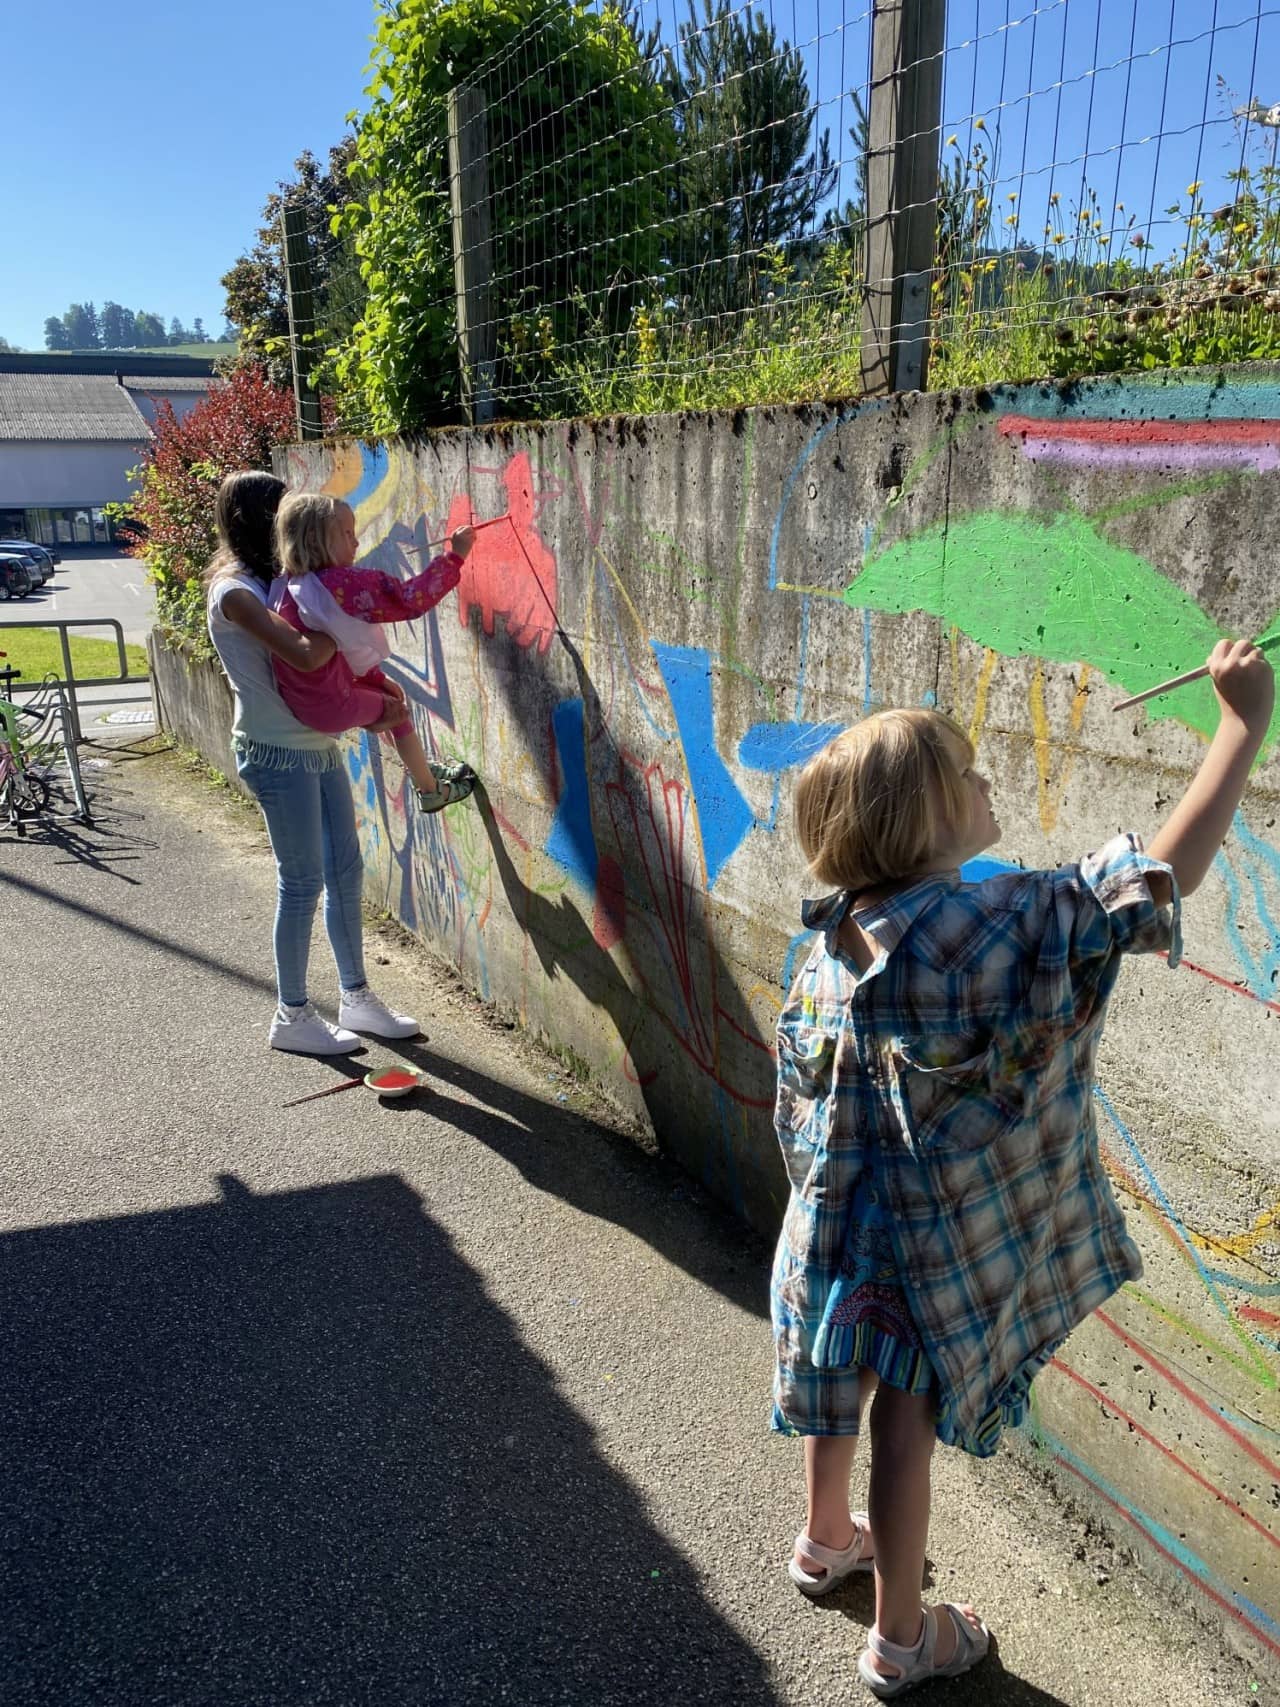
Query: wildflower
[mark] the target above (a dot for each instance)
(1013, 195)
(1012, 219)
(1084, 216)
(1054, 199)
(1119, 207)
(1059, 237)
(1194, 189)
(1240, 227)
(979, 124)
(1105, 238)
(1138, 240)
(951, 142)
(982, 204)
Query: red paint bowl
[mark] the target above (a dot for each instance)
(393, 1081)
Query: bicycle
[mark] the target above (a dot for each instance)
(24, 789)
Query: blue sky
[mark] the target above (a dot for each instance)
(142, 139)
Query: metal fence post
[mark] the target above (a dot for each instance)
(472, 251)
(905, 113)
(302, 316)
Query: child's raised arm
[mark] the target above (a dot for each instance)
(1194, 831)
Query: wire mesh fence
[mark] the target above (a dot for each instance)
(696, 203)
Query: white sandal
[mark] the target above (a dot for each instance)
(916, 1665)
(838, 1564)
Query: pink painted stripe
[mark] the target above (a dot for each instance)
(1193, 1398)
(1262, 459)
(1110, 1404)
(1236, 989)
(1219, 1600)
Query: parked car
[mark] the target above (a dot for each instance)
(15, 577)
(44, 558)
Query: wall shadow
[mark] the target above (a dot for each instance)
(285, 1449)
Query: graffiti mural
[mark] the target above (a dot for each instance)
(661, 621)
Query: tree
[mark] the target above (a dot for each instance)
(579, 147)
(848, 226)
(170, 523)
(92, 328)
(81, 332)
(55, 333)
(198, 333)
(752, 173)
(11, 348)
(150, 330)
(118, 326)
(255, 288)
(177, 331)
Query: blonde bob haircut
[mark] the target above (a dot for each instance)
(873, 806)
(306, 524)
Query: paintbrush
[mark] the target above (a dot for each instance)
(476, 527)
(1266, 645)
(346, 1085)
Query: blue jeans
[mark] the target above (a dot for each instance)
(312, 825)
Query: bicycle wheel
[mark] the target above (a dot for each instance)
(28, 794)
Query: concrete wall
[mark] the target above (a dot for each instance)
(192, 703)
(58, 474)
(668, 619)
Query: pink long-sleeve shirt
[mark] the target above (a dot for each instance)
(333, 698)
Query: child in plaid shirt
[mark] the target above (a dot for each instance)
(949, 1221)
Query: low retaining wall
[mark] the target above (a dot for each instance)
(671, 614)
(193, 702)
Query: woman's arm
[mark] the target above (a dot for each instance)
(1195, 829)
(305, 652)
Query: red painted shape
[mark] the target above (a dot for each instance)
(1264, 1318)
(1142, 432)
(1188, 1469)
(609, 923)
(1219, 1600)
(511, 572)
(393, 1080)
(1193, 1398)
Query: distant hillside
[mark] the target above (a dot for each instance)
(205, 352)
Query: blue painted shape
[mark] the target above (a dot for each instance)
(724, 817)
(978, 870)
(375, 460)
(798, 946)
(572, 842)
(778, 746)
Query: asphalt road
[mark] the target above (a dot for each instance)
(457, 1400)
(98, 588)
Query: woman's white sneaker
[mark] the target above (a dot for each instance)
(304, 1032)
(362, 1011)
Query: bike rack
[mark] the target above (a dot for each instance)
(49, 706)
(70, 681)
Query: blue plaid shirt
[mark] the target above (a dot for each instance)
(958, 1071)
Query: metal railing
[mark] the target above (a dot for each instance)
(70, 681)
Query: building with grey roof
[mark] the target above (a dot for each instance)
(72, 428)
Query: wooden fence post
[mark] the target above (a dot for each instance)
(904, 116)
(302, 316)
(472, 251)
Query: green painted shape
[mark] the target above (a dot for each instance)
(1054, 589)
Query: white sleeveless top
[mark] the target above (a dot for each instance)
(265, 731)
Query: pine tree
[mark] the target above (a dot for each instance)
(752, 174)
(93, 334)
(55, 334)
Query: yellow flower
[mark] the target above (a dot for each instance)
(951, 142)
(1012, 219)
(1241, 227)
(1060, 238)
(1104, 238)
(1013, 195)
(1084, 216)
(982, 204)
(979, 124)
(1054, 199)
